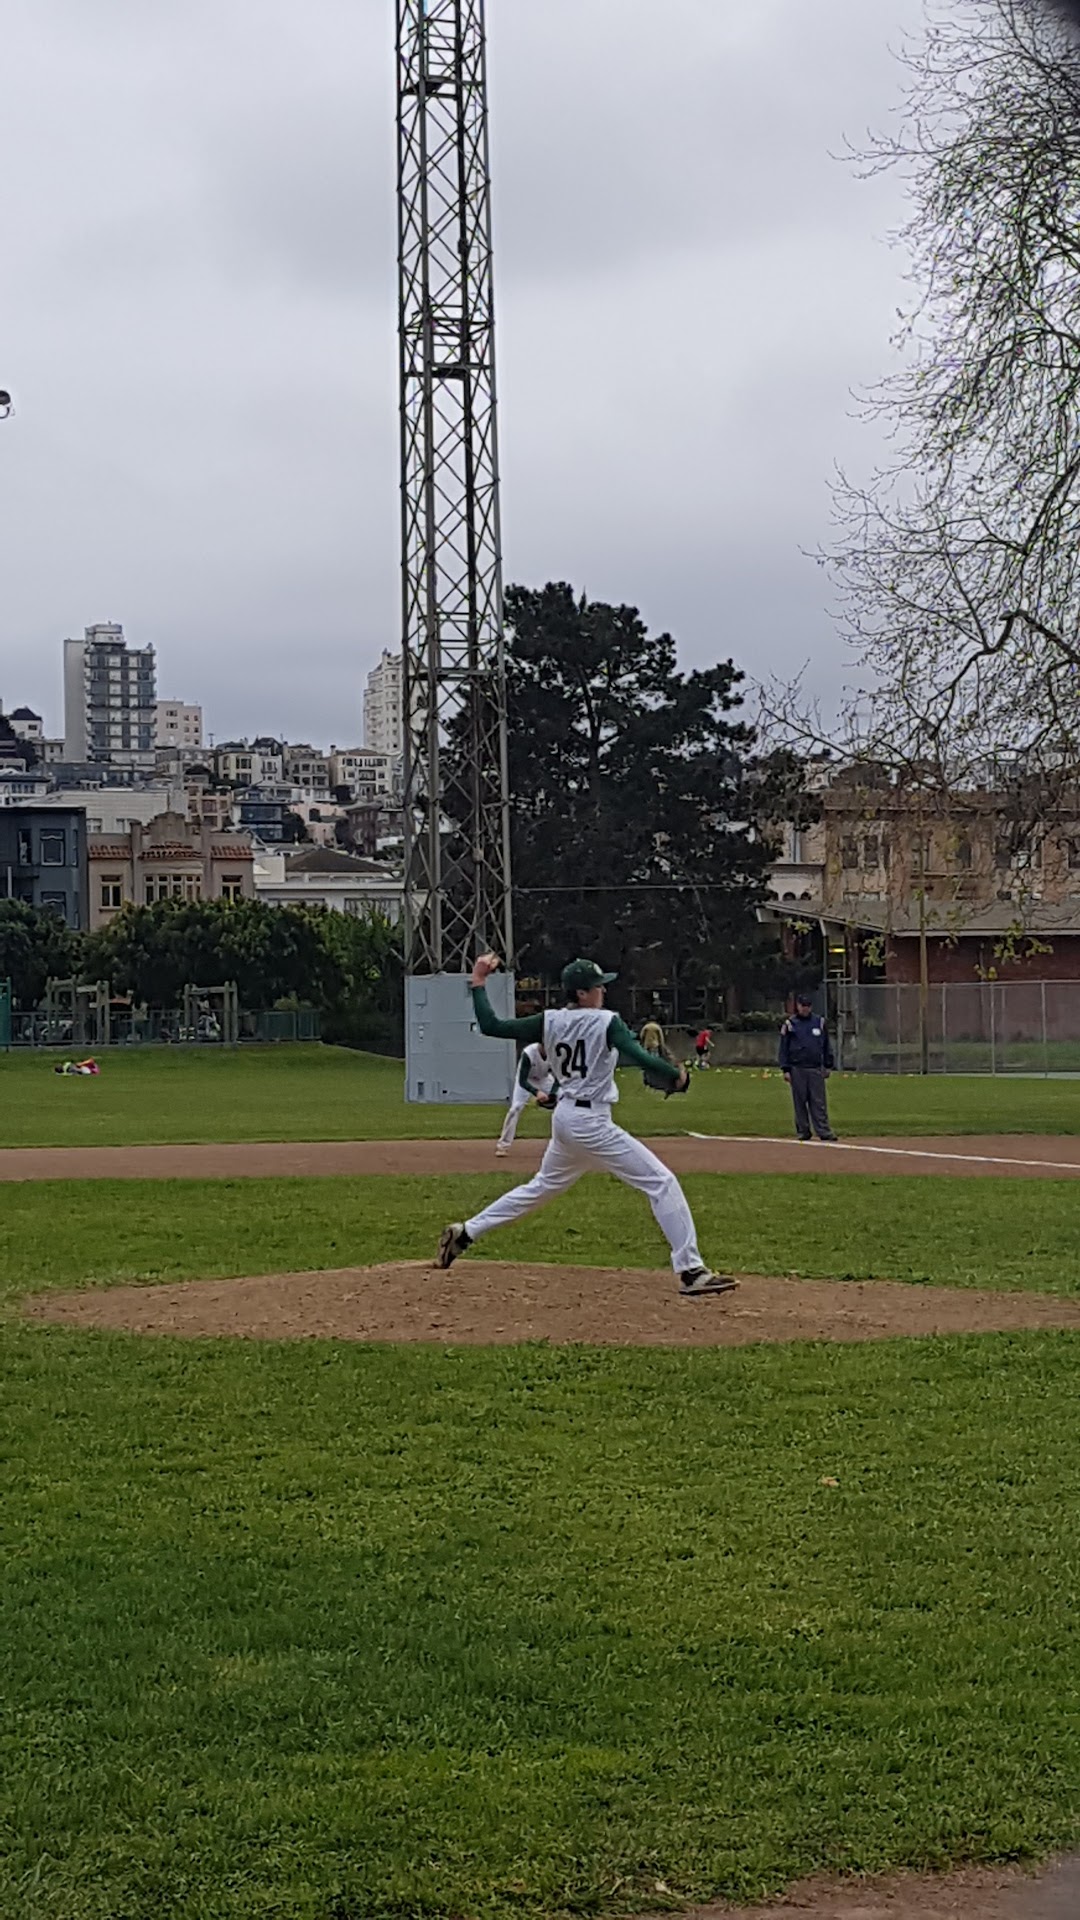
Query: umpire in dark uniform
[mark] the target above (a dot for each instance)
(806, 1059)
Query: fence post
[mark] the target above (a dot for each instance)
(944, 1027)
(1046, 1040)
(924, 986)
(899, 1030)
(993, 1029)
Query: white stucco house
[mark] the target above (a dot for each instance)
(327, 877)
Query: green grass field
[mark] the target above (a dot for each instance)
(342, 1633)
(327, 1093)
(1018, 1234)
(331, 1632)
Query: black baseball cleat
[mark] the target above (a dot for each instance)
(454, 1240)
(829, 1139)
(700, 1280)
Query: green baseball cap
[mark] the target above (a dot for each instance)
(580, 975)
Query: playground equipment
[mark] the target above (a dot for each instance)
(76, 1015)
(211, 1014)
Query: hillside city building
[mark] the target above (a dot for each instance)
(177, 724)
(383, 716)
(168, 859)
(110, 699)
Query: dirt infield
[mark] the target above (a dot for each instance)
(496, 1303)
(979, 1893)
(1021, 1156)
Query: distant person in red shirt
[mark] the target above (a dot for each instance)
(702, 1045)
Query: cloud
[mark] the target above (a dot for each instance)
(199, 310)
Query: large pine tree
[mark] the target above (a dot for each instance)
(634, 789)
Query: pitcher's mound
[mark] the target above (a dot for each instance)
(484, 1303)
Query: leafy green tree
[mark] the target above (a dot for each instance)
(272, 953)
(635, 793)
(35, 947)
(350, 970)
(366, 1007)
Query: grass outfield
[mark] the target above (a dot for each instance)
(334, 1632)
(346, 1633)
(327, 1093)
(1013, 1234)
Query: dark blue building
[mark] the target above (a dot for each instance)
(43, 860)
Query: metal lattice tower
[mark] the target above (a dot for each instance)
(457, 875)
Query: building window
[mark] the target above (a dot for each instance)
(871, 855)
(232, 887)
(1074, 855)
(849, 854)
(54, 903)
(920, 853)
(53, 847)
(25, 856)
(963, 855)
(1020, 853)
(112, 891)
(173, 886)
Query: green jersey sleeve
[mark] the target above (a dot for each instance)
(620, 1036)
(524, 1071)
(530, 1027)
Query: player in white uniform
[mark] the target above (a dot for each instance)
(534, 1076)
(584, 1042)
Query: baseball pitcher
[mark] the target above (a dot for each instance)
(535, 1079)
(584, 1042)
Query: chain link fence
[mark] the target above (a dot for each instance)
(160, 1029)
(981, 1026)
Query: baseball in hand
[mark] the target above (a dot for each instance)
(487, 963)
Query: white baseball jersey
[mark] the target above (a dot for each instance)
(576, 1044)
(540, 1074)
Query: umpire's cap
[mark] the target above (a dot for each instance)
(581, 975)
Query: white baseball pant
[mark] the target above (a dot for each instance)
(518, 1104)
(586, 1140)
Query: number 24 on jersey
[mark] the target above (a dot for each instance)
(571, 1059)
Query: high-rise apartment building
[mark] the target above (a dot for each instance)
(383, 706)
(110, 698)
(177, 724)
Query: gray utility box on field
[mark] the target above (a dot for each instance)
(448, 1061)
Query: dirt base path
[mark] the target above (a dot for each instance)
(482, 1303)
(975, 1894)
(1018, 1155)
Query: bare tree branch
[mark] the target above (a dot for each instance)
(957, 567)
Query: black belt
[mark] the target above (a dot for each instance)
(583, 1103)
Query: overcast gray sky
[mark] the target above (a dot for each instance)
(198, 306)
